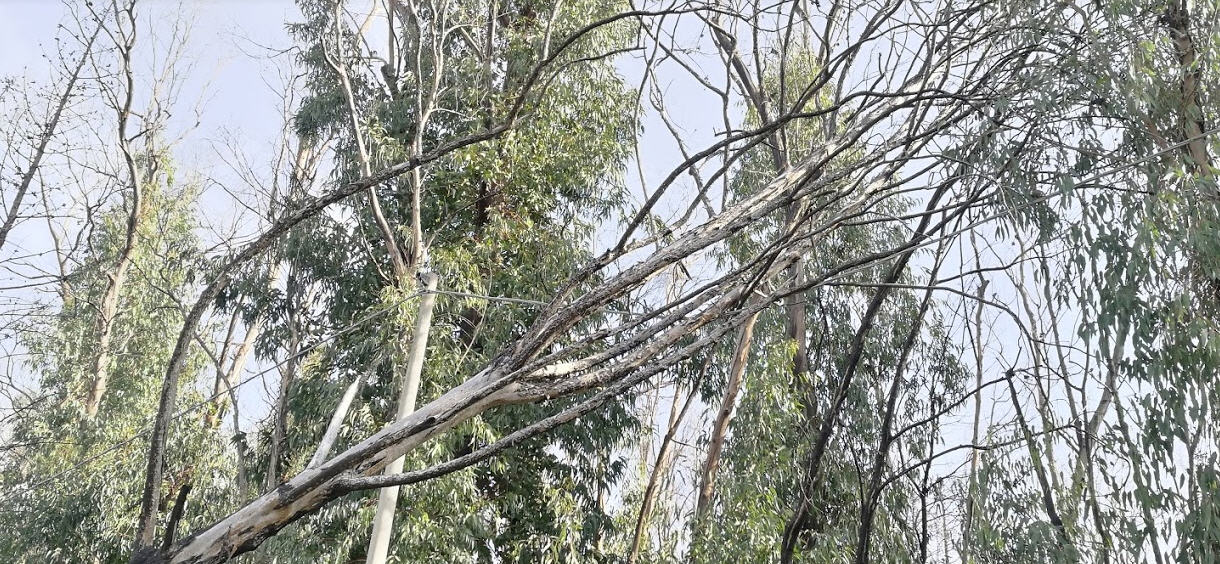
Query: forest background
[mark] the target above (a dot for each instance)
(592, 281)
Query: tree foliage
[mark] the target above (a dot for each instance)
(835, 281)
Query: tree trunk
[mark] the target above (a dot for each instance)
(117, 276)
(659, 468)
(279, 415)
(336, 422)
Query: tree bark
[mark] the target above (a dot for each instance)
(976, 454)
(279, 413)
(336, 422)
(1177, 19)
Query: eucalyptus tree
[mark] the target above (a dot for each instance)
(1124, 293)
(940, 280)
(92, 345)
(34, 148)
(507, 218)
(895, 136)
(769, 363)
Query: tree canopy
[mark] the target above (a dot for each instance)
(616, 282)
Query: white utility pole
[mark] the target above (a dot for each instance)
(383, 522)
